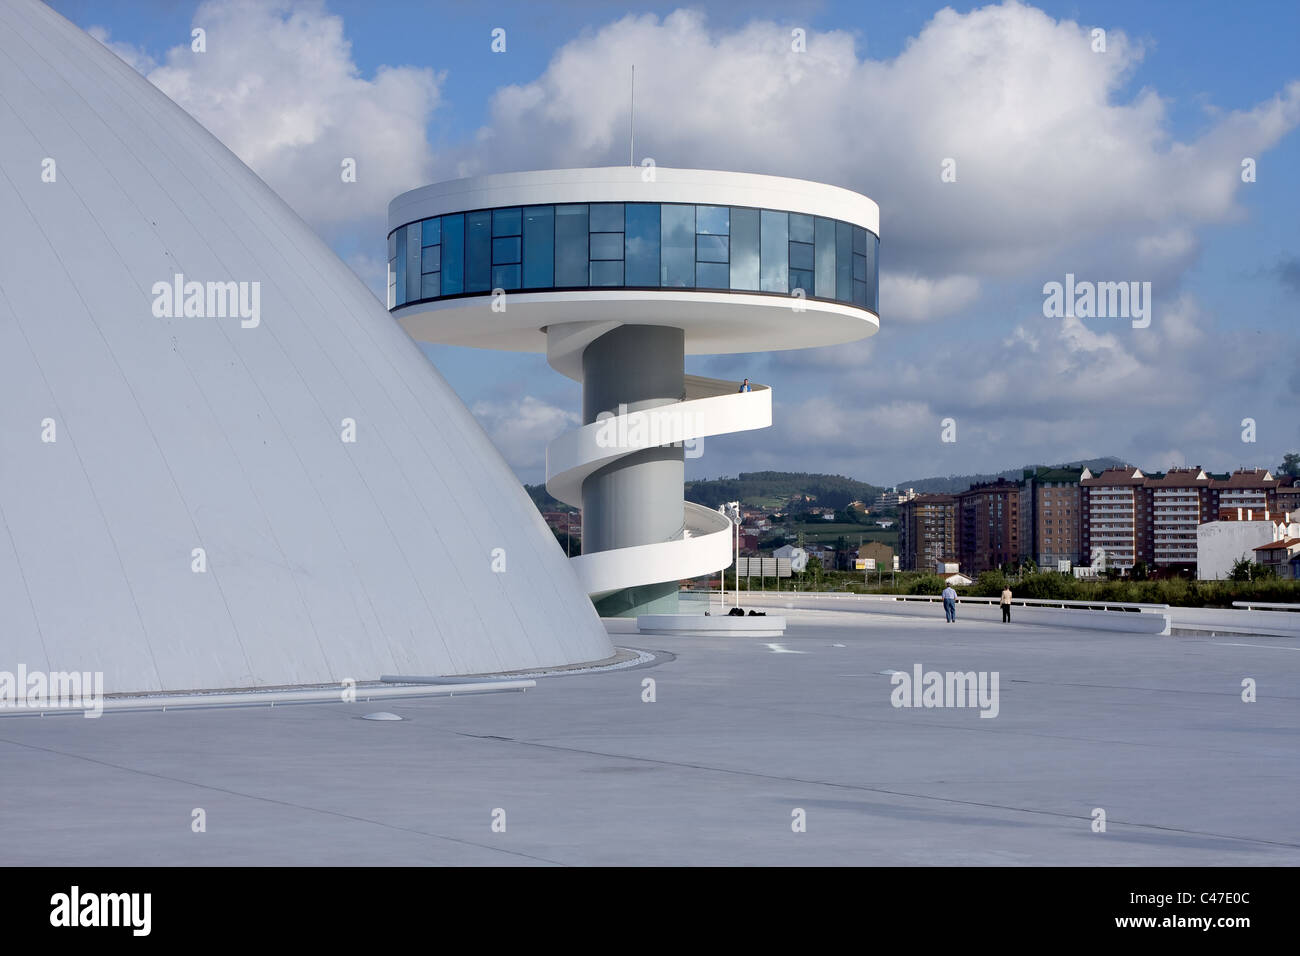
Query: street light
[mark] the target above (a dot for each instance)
(732, 511)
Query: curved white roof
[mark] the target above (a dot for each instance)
(326, 560)
(634, 184)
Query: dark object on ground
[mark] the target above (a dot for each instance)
(735, 612)
(758, 614)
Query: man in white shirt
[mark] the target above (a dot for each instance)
(950, 603)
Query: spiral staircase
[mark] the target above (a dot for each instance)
(703, 544)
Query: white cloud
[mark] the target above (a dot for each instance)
(1059, 169)
(912, 298)
(522, 429)
(135, 57)
(278, 85)
(1047, 154)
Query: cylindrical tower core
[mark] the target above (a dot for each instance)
(637, 499)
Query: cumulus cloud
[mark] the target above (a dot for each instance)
(278, 85)
(912, 298)
(1046, 153)
(136, 57)
(522, 429)
(1059, 168)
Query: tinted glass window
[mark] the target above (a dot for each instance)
(711, 275)
(505, 277)
(744, 249)
(478, 259)
(606, 245)
(412, 262)
(453, 254)
(432, 232)
(801, 227)
(607, 273)
(672, 245)
(677, 254)
(642, 244)
(507, 249)
(843, 262)
(505, 222)
(712, 220)
(774, 252)
(431, 259)
(607, 217)
(801, 255)
(711, 248)
(571, 246)
(825, 253)
(401, 266)
(539, 247)
(873, 273)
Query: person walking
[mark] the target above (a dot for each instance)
(1006, 604)
(744, 386)
(950, 604)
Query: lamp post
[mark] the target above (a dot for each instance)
(732, 510)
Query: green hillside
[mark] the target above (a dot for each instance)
(955, 483)
(772, 489)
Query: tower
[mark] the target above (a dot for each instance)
(617, 274)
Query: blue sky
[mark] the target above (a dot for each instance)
(1120, 166)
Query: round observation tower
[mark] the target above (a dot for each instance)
(617, 274)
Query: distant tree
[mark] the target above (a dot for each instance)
(815, 569)
(1140, 571)
(1290, 464)
(1241, 569)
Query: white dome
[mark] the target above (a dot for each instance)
(326, 560)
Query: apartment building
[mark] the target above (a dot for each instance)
(1180, 501)
(988, 530)
(1154, 518)
(1049, 516)
(927, 531)
(1283, 557)
(893, 498)
(1287, 493)
(1254, 489)
(1115, 519)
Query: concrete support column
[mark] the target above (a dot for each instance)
(637, 499)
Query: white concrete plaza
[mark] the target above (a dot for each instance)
(742, 732)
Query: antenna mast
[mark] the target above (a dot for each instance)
(631, 123)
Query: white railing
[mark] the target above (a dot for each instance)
(703, 543)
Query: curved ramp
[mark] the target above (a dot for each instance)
(703, 545)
